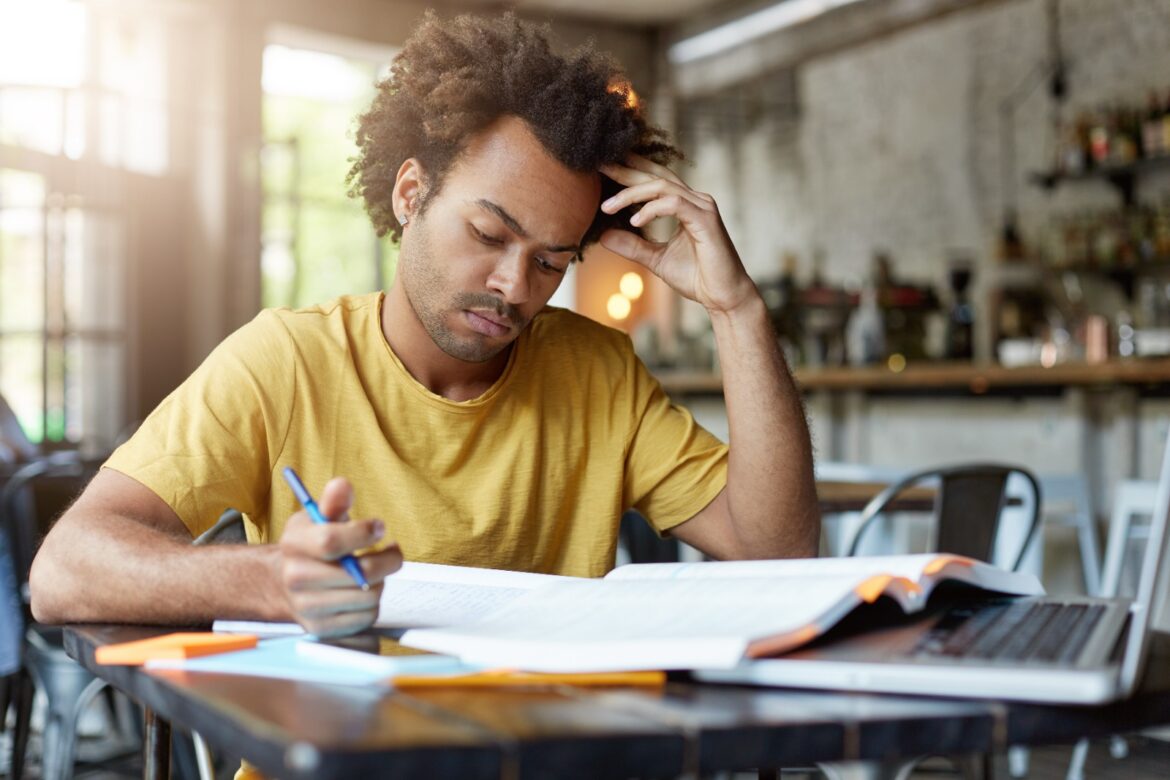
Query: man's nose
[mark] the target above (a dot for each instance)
(510, 277)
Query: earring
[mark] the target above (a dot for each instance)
(403, 219)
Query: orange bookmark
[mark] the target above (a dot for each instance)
(172, 646)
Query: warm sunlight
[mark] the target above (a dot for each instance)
(42, 43)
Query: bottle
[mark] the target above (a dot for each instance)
(1124, 137)
(1161, 231)
(866, 333)
(1165, 145)
(1152, 128)
(1126, 334)
(1099, 138)
(787, 316)
(1011, 246)
(961, 319)
(1084, 130)
(1071, 152)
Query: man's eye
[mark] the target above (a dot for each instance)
(545, 265)
(484, 238)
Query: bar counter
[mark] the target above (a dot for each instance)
(973, 378)
(1104, 422)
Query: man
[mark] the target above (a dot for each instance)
(480, 427)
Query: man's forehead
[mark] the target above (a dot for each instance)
(506, 170)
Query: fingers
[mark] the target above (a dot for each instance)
(638, 169)
(632, 247)
(331, 541)
(326, 601)
(695, 219)
(336, 499)
(656, 188)
(342, 624)
(321, 594)
(336, 612)
(302, 572)
(377, 566)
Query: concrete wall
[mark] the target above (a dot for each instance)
(897, 142)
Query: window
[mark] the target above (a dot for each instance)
(317, 243)
(82, 106)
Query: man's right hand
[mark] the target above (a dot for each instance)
(321, 595)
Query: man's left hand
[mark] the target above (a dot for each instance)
(698, 261)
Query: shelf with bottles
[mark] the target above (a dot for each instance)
(814, 322)
(1116, 144)
(1119, 243)
(1122, 177)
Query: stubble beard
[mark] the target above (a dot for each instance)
(426, 289)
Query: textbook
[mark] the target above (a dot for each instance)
(697, 615)
(654, 616)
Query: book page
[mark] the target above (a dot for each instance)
(471, 575)
(427, 594)
(909, 566)
(926, 569)
(642, 624)
(430, 594)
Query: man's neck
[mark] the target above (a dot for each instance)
(434, 369)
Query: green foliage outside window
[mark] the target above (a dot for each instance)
(317, 241)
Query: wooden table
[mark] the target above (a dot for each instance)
(296, 730)
(837, 497)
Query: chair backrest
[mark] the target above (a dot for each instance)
(968, 505)
(14, 444)
(1132, 498)
(11, 613)
(30, 495)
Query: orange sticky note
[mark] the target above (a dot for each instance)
(179, 645)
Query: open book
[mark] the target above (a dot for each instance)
(661, 615)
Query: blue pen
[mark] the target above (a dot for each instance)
(347, 561)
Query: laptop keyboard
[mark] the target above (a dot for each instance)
(1011, 631)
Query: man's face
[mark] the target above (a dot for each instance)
(493, 246)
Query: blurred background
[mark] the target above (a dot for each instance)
(958, 212)
(981, 182)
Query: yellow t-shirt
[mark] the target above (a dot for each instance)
(533, 475)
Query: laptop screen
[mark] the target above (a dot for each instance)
(1152, 602)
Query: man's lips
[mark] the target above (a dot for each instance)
(488, 322)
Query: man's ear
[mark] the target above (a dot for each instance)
(408, 189)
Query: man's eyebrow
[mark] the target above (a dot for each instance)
(515, 226)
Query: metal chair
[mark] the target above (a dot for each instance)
(15, 683)
(68, 687)
(837, 528)
(1068, 502)
(970, 504)
(1132, 499)
(968, 509)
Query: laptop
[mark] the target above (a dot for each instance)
(1046, 649)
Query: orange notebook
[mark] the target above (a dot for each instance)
(180, 645)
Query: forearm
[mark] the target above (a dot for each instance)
(771, 492)
(100, 567)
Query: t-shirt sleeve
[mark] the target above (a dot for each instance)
(674, 466)
(210, 444)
